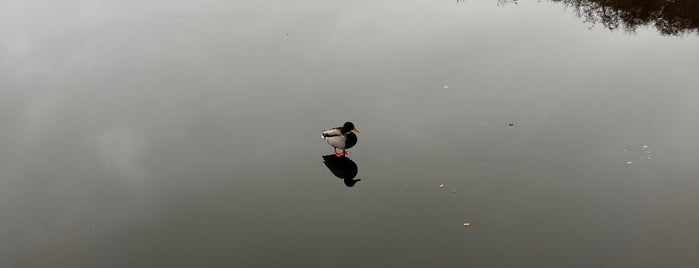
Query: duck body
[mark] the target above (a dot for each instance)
(339, 140)
(341, 137)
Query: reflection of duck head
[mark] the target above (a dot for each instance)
(342, 167)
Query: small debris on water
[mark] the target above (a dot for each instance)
(629, 163)
(441, 186)
(446, 86)
(453, 191)
(511, 124)
(645, 146)
(467, 224)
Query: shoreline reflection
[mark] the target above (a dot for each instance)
(671, 18)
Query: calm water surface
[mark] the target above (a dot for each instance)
(183, 134)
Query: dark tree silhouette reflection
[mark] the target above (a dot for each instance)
(669, 17)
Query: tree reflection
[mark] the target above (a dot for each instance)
(669, 17)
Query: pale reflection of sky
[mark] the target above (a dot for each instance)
(122, 152)
(160, 134)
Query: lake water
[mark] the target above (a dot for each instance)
(187, 134)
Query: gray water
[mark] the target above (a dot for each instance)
(187, 134)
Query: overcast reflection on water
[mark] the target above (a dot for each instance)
(181, 134)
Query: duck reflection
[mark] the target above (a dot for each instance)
(342, 167)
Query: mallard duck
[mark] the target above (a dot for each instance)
(341, 138)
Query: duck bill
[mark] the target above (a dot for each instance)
(356, 130)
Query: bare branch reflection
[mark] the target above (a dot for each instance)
(669, 17)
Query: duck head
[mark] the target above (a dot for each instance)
(349, 127)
